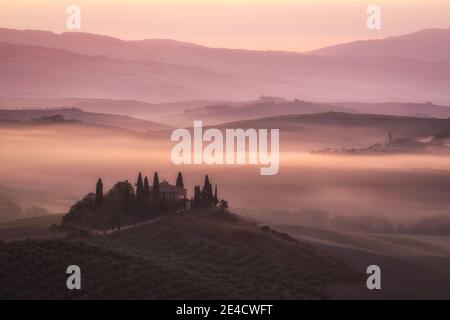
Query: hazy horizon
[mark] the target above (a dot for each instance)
(268, 25)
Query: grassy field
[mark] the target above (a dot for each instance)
(211, 255)
(202, 255)
(31, 228)
(413, 266)
(387, 244)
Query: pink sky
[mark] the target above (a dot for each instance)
(296, 25)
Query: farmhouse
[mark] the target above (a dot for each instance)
(170, 192)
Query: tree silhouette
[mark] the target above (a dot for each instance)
(120, 199)
(139, 196)
(128, 200)
(156, 190)
(207, 195)
(145, 198)
(207, 184)
(216, 199)
(223, 205)
(197, 196)
(146, 190)
(180, 182)
(99, 193)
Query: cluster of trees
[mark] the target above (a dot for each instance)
(206, 198)
(154, 201)
(124, 203)
(128, 204)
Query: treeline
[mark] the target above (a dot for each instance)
(205, 198)
(126, 203)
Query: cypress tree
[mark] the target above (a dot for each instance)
(139, 184)
(156, 189)
(99, 193)
(139, 192)
(210, 193)
(145, 196)
(197, 196)
(180, 182)
(146, 190)
(206, 185)
(207, 192)
(216, 199)
(126, 190)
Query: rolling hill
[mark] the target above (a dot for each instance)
(198, 255)
(32, 71)
(132, 108)
(37, 227)
(36, 64)
(103, 119)
(183, 113)
(424, 45)
(406, 125)
(220, 113)
(344, 130)
(421, 110)
(413, 266)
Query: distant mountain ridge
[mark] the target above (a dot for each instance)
(424, 45)
(37, 64)
(216, 112)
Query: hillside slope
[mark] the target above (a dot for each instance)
(424, 45)
(346, 121)
(202, 255)
(413, 266)
(220, 113)
(340, 129)
(162, 71)
(103, 119)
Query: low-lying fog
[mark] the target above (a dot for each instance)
(62, 163)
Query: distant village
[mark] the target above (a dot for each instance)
(40, 115)
(393, 145)
(128, 204)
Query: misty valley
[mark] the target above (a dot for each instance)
(166, 170)
(230, 148)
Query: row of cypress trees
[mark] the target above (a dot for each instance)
(203, 197)
(143, 191)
